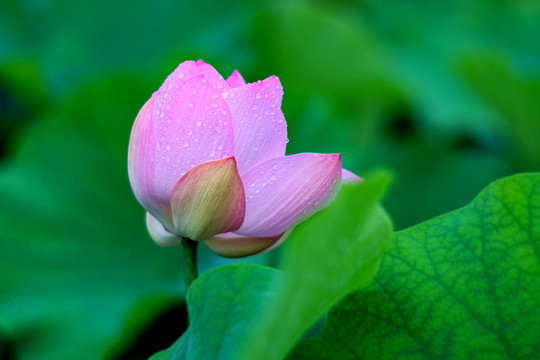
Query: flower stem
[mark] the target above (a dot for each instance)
(189, 248)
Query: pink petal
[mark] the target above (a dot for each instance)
(260, 130)
(190, 69)
(191, 125)
(283, 192)
(208, 200)
(347, 177)
(159, 234)
(235, 80)
(236, 246)
(141, 161)
(273, 86)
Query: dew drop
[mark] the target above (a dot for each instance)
(191, 104)
(186, 143)
(273, 178)
(258, 96)
(199, 123)
(168, 146)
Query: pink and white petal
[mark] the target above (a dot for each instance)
(191, 124)
(190, 69)
(159, 234)
(348, 177)
(279, 242)
(235, 246)
(235, 80)
(273, 86)
(260, 130)
(283, 192)
(141, 161)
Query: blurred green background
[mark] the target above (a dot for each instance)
(444, 94)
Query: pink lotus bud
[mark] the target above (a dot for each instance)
(207, 161)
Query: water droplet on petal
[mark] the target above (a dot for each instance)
(191, 104)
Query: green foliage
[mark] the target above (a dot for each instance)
(74, 256)
(461, 286)
(224, 306)
(335, 252)
(234, 311)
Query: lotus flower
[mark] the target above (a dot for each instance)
(207, 162)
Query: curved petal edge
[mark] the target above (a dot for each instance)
(236, 246)
(159, 234)
(283, 192)
(348, 177)
(208, 200)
